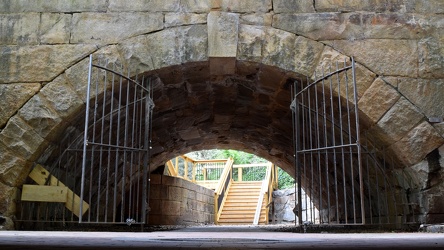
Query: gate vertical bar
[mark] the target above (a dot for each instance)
(358, 142)
(85, 138)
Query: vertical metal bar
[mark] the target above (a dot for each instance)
(327, 179)
(91, 172)
(145, 161)
(101, 142)
(358, 142)
(333, 136)
(125, 152)
(85, 139)
(116, 162)
(369, 182)
(109, 163)
(341, 136)
(318, 145)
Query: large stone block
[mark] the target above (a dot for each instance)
(19, 29)
(321, 26)
(307, 54)
(39, 63)
(7, 196)
(278, 49)
(62, 98)
(197, 6)
(382, 56)
(166, 48)
(431, 6)
(143, 5)
(245, 5)
(21, 139)
(13, 170)
(417, 143)
(379, 98)
(179, 19)
(260, 19)
(293, 6)
(170, 207)
(38, 113)
(427, 94)
(222, 34)
(13, 97)
(106, 28)
(55, 28)
(17, 6)
(350, 5)
(395, 26)
(77, 75)
(399, 120)
(431, 57)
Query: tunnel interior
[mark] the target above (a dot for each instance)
(195, 110)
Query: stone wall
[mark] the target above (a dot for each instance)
(223, 68)
(174, 201)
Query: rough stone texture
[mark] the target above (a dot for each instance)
(250, 43)
(19, 29)
(295, 6)
(167, 47)
(257, 19)
(142, 5)
(284, 202)
(399, 120)
(431, 57)
(7, 196)
(55, 28)
(382, 56)
(321, 26)
(61, 97)
(17, 6)
(77, 75)
(279, 49)
(14, 169)
(379, 98)
(106, 28)
(21, 139)
(175, 201)
(38, 113)
(13, 97)
(420, 141)
(180, 19)
(245, 5)
(399, 41)
(433, 6)
(222, 34)
(425, 94)
(41, 63)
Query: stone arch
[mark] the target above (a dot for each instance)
(32, 127)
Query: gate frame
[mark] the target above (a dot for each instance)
(297, 136)
(145, 150)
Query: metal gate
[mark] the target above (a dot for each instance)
(341, 177)
(116, 146)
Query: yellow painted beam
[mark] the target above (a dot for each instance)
(44, 193)
(40, 175)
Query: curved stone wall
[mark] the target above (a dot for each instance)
(244, 51)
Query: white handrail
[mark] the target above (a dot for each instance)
(264, 189)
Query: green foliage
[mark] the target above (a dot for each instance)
(284, 180)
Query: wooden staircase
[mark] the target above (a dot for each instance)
(241, 202)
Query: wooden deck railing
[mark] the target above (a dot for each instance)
(219, 173)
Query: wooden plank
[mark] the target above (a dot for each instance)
(44, 193)
(39, 174)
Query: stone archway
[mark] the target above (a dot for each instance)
(226, 46)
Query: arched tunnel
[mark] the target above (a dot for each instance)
(195, 110)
